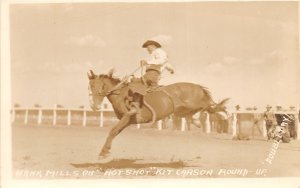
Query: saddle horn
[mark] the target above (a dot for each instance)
(111, 72)
(89, 76)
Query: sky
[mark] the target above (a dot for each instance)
(246, 51)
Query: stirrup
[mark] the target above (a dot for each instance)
(132, 112)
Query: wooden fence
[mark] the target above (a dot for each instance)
(236, 119)
(43, 114)
(106, 113)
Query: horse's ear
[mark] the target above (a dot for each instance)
(89, 76)
(111, 72)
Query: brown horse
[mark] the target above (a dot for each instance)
(188, 97)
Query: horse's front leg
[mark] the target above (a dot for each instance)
(122, 124)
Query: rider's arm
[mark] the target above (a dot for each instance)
(169, 67)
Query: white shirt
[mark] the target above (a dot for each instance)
(160, 57)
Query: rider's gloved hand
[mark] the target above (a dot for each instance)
(172, 71)
(143, 62)
(126, 78)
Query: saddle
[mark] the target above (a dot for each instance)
(138, 89)
(138, 85)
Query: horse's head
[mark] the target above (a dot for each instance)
(100, 87)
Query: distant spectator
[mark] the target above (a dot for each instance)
(237, 107)
(59, 106)
(17, 105)
(249, 108)
(238, 123)
(292, 108)
(270, 120)
(37, 106)
(256, 119)
(279, 108)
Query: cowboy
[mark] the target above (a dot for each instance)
(256, 120)
(157, 62)
(270, 119)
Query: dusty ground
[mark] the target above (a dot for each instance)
(71, 152)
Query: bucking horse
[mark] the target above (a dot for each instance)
(182, 99)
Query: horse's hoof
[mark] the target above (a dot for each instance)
(105, 158)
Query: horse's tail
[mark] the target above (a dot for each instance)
(213, 107)
(218, 107)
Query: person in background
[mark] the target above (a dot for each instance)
(256, 120)
(270, 119)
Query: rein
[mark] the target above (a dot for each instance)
(110, 92)
(115, 88)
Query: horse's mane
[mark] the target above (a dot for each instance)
(114, 80)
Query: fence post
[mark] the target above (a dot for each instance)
(234, 124)
(84, 117)
(101, 117)
(207, 123)
(40, 114)
(183, 124)
(13, 115)
(159, 125)
(26, 117)
(264, 128)
(297, 123)
(69, 117)
(54, 114)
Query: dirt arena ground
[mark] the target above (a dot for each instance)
(71, 152)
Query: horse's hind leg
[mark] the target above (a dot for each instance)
(122, 124)
(188, 120)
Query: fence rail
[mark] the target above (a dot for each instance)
(235, 119)
(68, 112)
(54, 111)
